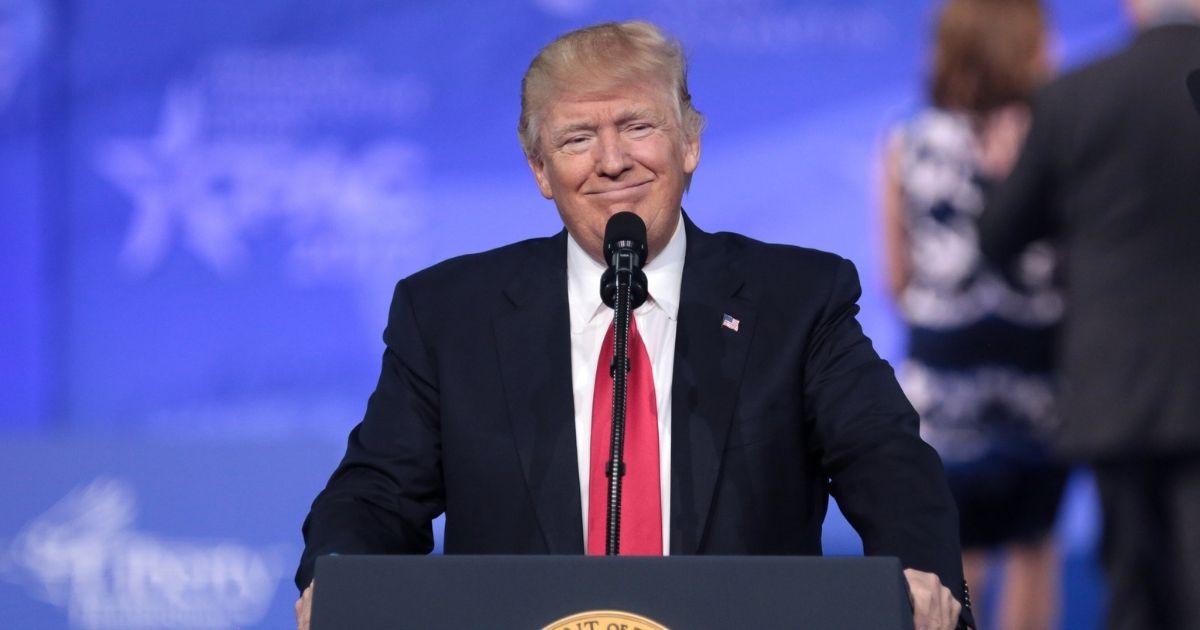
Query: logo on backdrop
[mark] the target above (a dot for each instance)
(253, 156)
(604, 620)
(757, 26)
(85, 555)
(22, 36)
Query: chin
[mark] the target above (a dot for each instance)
(623, 207)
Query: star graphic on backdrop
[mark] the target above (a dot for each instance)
(167, 177)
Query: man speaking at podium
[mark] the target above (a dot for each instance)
(753, 393)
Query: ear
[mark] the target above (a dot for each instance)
(538, 166)
(691, 154)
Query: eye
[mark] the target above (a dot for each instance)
(639, 129)
(575, 144)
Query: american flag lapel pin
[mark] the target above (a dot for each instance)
(730, 322)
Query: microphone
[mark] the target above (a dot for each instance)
(1193, 83)
(623, 288)
(625, 251)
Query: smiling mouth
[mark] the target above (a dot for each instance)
(616, 192)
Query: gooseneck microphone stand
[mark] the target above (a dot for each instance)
(623, 287)
(620, 375)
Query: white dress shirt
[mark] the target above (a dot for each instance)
(656, 320)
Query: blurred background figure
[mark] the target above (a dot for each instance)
(979, 359)
(1111, 167)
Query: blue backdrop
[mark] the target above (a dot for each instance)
(205, 205)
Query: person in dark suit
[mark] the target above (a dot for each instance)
(1111, 168)
(765, 395)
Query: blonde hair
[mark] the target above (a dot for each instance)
(602, 57)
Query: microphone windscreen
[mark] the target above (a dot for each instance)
(625, 226)
(1193, 83)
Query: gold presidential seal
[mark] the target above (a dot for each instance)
(605, 620)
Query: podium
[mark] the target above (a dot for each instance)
(679, 593)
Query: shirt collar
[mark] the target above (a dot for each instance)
(664, 275)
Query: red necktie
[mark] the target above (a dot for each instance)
(641, 505)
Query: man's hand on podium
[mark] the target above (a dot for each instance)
(934, 606)
(304, 608)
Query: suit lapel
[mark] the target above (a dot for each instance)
(535, 343)
(710, 359)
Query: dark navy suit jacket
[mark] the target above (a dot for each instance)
(473, 416)
(1111, 168)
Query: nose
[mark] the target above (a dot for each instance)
(612, 159)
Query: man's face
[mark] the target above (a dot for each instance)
(615, 151)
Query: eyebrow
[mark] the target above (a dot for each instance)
(560, 132)
(634, 114)
(623, 117)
